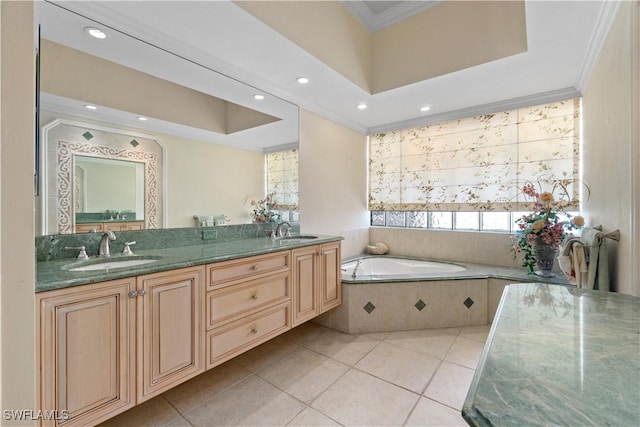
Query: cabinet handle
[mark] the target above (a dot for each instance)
(142, 292)
(254, 267)
(254, 330)
(133, 294)
(254, 295)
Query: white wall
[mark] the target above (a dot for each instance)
(333, 182)
(610, 154)
(17, 264)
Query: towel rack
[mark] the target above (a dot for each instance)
(613, 235)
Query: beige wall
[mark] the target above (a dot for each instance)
(333, 182)
(448, 37)
(17, 130)
(208, 179)
(609, 125)
(327, 30)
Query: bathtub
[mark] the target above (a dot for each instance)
(391, 293)
(384, 268)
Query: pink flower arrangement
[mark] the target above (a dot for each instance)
(262, 210)
(543, 225)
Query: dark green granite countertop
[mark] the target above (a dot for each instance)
(559, 356)
(52, 274)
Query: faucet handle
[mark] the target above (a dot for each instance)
(127, 248)
(82, 254)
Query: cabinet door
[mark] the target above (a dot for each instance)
(86, 354)
(304, 294)
(171, 329)
(86, 228)
(330, 279)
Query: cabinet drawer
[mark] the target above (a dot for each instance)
(235, 338)
(227, 272)
(225, 303)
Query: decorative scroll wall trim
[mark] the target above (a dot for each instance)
(66, 151)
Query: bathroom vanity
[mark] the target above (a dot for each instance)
(557, 355)
(109, 339)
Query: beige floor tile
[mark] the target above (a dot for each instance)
(304, 374)
(450, 384)
(465, 352)
(311, 418)
(304, 333)
(403, 367)
(433, 342)
(430, 413)
(345, 348)
(206, 386)
(267, 353)
(359, 399)
(477, 333)
(253, 402)
(180, 422)
(154, 412)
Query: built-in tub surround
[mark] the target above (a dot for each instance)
(490, 248)
(397, 302)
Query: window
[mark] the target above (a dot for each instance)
(474, 165)
(282, 178)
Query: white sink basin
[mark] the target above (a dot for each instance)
(110, 264)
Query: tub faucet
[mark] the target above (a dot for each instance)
(104, 243)
(281, 226)
(353, 275)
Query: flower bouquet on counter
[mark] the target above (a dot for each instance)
(540, 232)
(263, 210)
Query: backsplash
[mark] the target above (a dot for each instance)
(52, 247)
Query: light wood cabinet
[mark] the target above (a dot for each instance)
(106, 347)
(171, 325)
(87, 344)
(100, 343)
(316, 284)
(330, 277)
(101, 227)
(248, 303)
(304, 297)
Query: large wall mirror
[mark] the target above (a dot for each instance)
(210, 134)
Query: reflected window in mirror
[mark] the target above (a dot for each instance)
(281, 176)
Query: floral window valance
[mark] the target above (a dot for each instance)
(478, 163)
(282, 178)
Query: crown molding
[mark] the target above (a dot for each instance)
(605, 20)
(396, 13)
(494, 107)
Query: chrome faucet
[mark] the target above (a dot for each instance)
(281, 226)
(104, 243)
(355, 270)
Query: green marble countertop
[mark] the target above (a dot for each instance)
(559, 356)
(52, 275)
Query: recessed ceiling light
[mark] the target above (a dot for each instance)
(362, 106)
(258, 97)
(90, 107)
(142, 119)
(302, 80)
(94, 32)
(425, 108)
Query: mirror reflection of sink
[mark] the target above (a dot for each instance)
(109, 264)
(299, 237)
